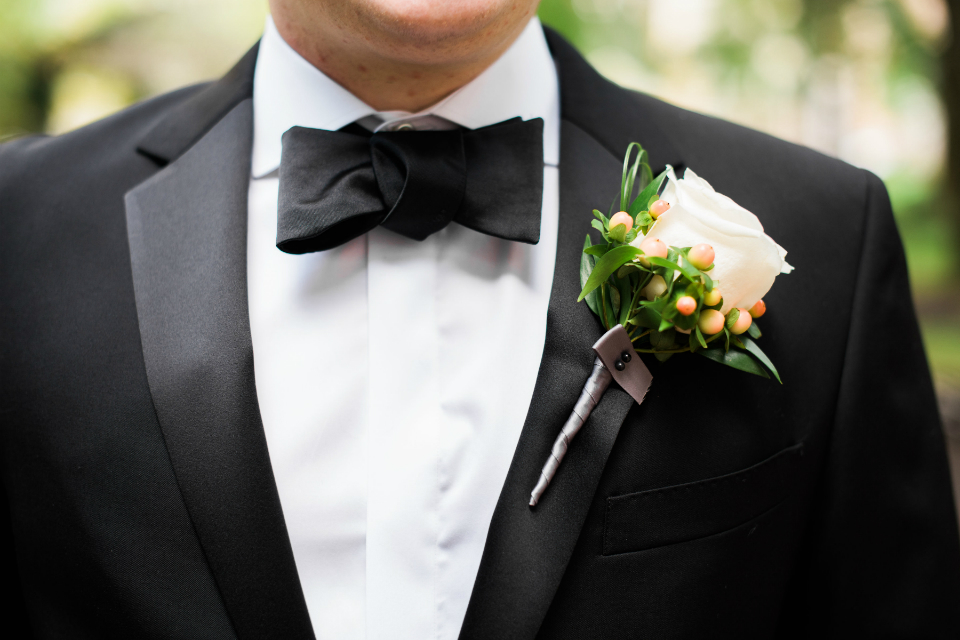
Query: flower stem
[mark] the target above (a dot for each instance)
(636, 296)
(683, 350)
(603, 306)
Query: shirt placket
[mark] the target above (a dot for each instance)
(403, 437)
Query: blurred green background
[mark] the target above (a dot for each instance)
(874, 82)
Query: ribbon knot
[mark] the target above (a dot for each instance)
(337, 185)
(422, 177)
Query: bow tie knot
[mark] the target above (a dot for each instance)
(337, 185)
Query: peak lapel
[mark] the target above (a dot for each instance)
(527, 550)
(187, 232)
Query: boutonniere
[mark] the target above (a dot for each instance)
(682, 269)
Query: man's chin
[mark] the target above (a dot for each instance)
(427, 24)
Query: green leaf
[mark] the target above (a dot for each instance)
(666, 264)
(692, 273)
(648, 318)
(610, 262)
(629, 173)
(732, 318)
(663, 340)
(754, 330)
(644, 219)
(611, 317)
(703, 343)
(648, 195)
(707, 281)
(596, 250)
(662, 357)
(618, 233)
(615, 301)
(752, 347)
(586, 268)
(736, 359)
(626, 297)
(602, 218)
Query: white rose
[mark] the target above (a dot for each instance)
(747, 259)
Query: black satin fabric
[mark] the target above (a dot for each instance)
(337, 185)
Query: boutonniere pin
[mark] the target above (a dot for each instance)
(682, 269)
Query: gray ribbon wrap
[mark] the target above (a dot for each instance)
(592, 391)
(616, 360)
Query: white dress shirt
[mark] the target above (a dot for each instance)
(394, 376)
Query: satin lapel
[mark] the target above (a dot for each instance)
(187, 233)
(527, 550)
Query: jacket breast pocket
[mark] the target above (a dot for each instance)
(658, 517)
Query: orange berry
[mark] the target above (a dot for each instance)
(621, 217)
(658, 208)
(652, 248)
(686, 305)
(742, 324)
(758, 309)
(656, 287)
(701, 256)
(711, 321)
(712, 298)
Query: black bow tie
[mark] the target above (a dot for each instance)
(337, 185)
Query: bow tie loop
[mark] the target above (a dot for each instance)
(338, 185)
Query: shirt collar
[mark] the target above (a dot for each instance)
(289, 91)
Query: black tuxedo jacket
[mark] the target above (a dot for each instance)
(141, 498)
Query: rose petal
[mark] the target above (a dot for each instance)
(747, 260)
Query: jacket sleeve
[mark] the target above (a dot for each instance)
(881, 556)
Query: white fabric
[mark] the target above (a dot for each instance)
(394, 376)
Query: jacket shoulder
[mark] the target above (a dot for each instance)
(90, 148)
(75, 181)
(712, 142)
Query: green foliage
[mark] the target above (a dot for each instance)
(586, 268)
(752, 347)
(613, 278)
(607, 265)
(736, 359)
(639, 169)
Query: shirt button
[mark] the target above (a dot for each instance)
(406, 126)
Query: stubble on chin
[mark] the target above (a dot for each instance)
(429, 47)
